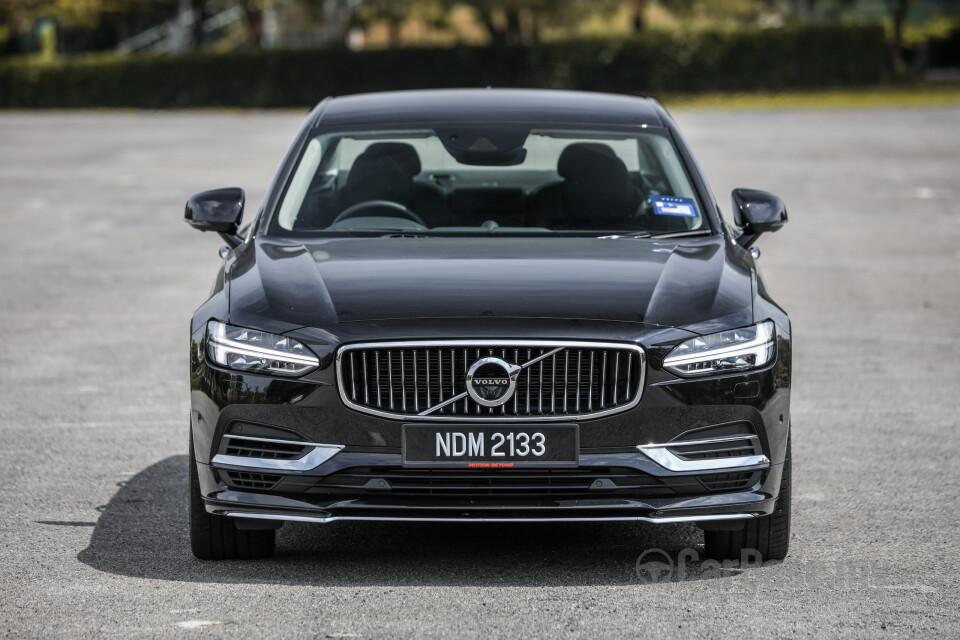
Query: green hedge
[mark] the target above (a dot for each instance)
(771, 59)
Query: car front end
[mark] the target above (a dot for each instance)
(532, 318)
(357, 438)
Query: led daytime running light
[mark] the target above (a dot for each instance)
(727, 351)
(258, 351)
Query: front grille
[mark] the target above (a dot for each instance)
(731, 447)
(557, 379)
(585, 482)
(729, 481)
(260, 448)
(247, 480)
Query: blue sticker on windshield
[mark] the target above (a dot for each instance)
(674, 206)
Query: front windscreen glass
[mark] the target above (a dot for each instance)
(464, 179)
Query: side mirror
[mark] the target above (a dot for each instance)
(756, 212)
(219, 210)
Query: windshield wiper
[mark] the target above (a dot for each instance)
(665, 234)
(682, 234)
(631, 234)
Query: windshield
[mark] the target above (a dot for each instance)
(466, 179)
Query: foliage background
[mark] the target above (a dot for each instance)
(660, 61)
(329, 47)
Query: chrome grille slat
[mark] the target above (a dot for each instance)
(603, 381)
(540, 386)
(616, 376)
(376, 365)
(366, 384)
(529, 373)
(440, 375)
(516, 399)
(566, 379)
(579, 357)
(553, 383)
(477, 358)
(353, 384)
(590, 386)
(403, 381)
(390, 375)
(593, 378)
(453, 382)
(503, 407)
(416, 387)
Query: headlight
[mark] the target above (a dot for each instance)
(736, 350)
(258, 351)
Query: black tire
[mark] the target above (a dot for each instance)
(769, 535)
(217, 537)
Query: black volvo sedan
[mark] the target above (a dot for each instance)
(489, 306)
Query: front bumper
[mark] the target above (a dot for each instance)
(375, 486)
(632, 444)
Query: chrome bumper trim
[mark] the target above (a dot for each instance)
(660, 454)
(326, 519)
(317, 456)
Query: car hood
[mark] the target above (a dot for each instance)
(700, 284)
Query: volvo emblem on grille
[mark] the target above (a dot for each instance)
(491, 381)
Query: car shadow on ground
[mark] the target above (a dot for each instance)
(142, 532)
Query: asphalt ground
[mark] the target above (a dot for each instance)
(99, 277)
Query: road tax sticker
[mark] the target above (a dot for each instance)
(674, 206)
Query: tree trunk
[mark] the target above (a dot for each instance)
(899, 8)
(497, 37)
(639, 19)
(394, 30)
(253, 23)
(199, 15)
(514, 27)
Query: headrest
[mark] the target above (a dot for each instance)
(597, 187)
(402, 153)
(580, 153)
(382, 172)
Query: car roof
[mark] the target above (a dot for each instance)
(488, 105)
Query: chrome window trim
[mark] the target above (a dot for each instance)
(320, 454)
(548, 344)
(331, 518)
(660, 454)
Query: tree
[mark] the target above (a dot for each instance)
(252, 22)
(897, 10)
(833, 9)
(513, 22)
(898, 13)
(396, 12)
(19, 16)
(736, 11)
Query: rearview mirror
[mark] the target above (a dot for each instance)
(756, 212)
(220, 210)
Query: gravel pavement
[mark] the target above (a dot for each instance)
(99, 277)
